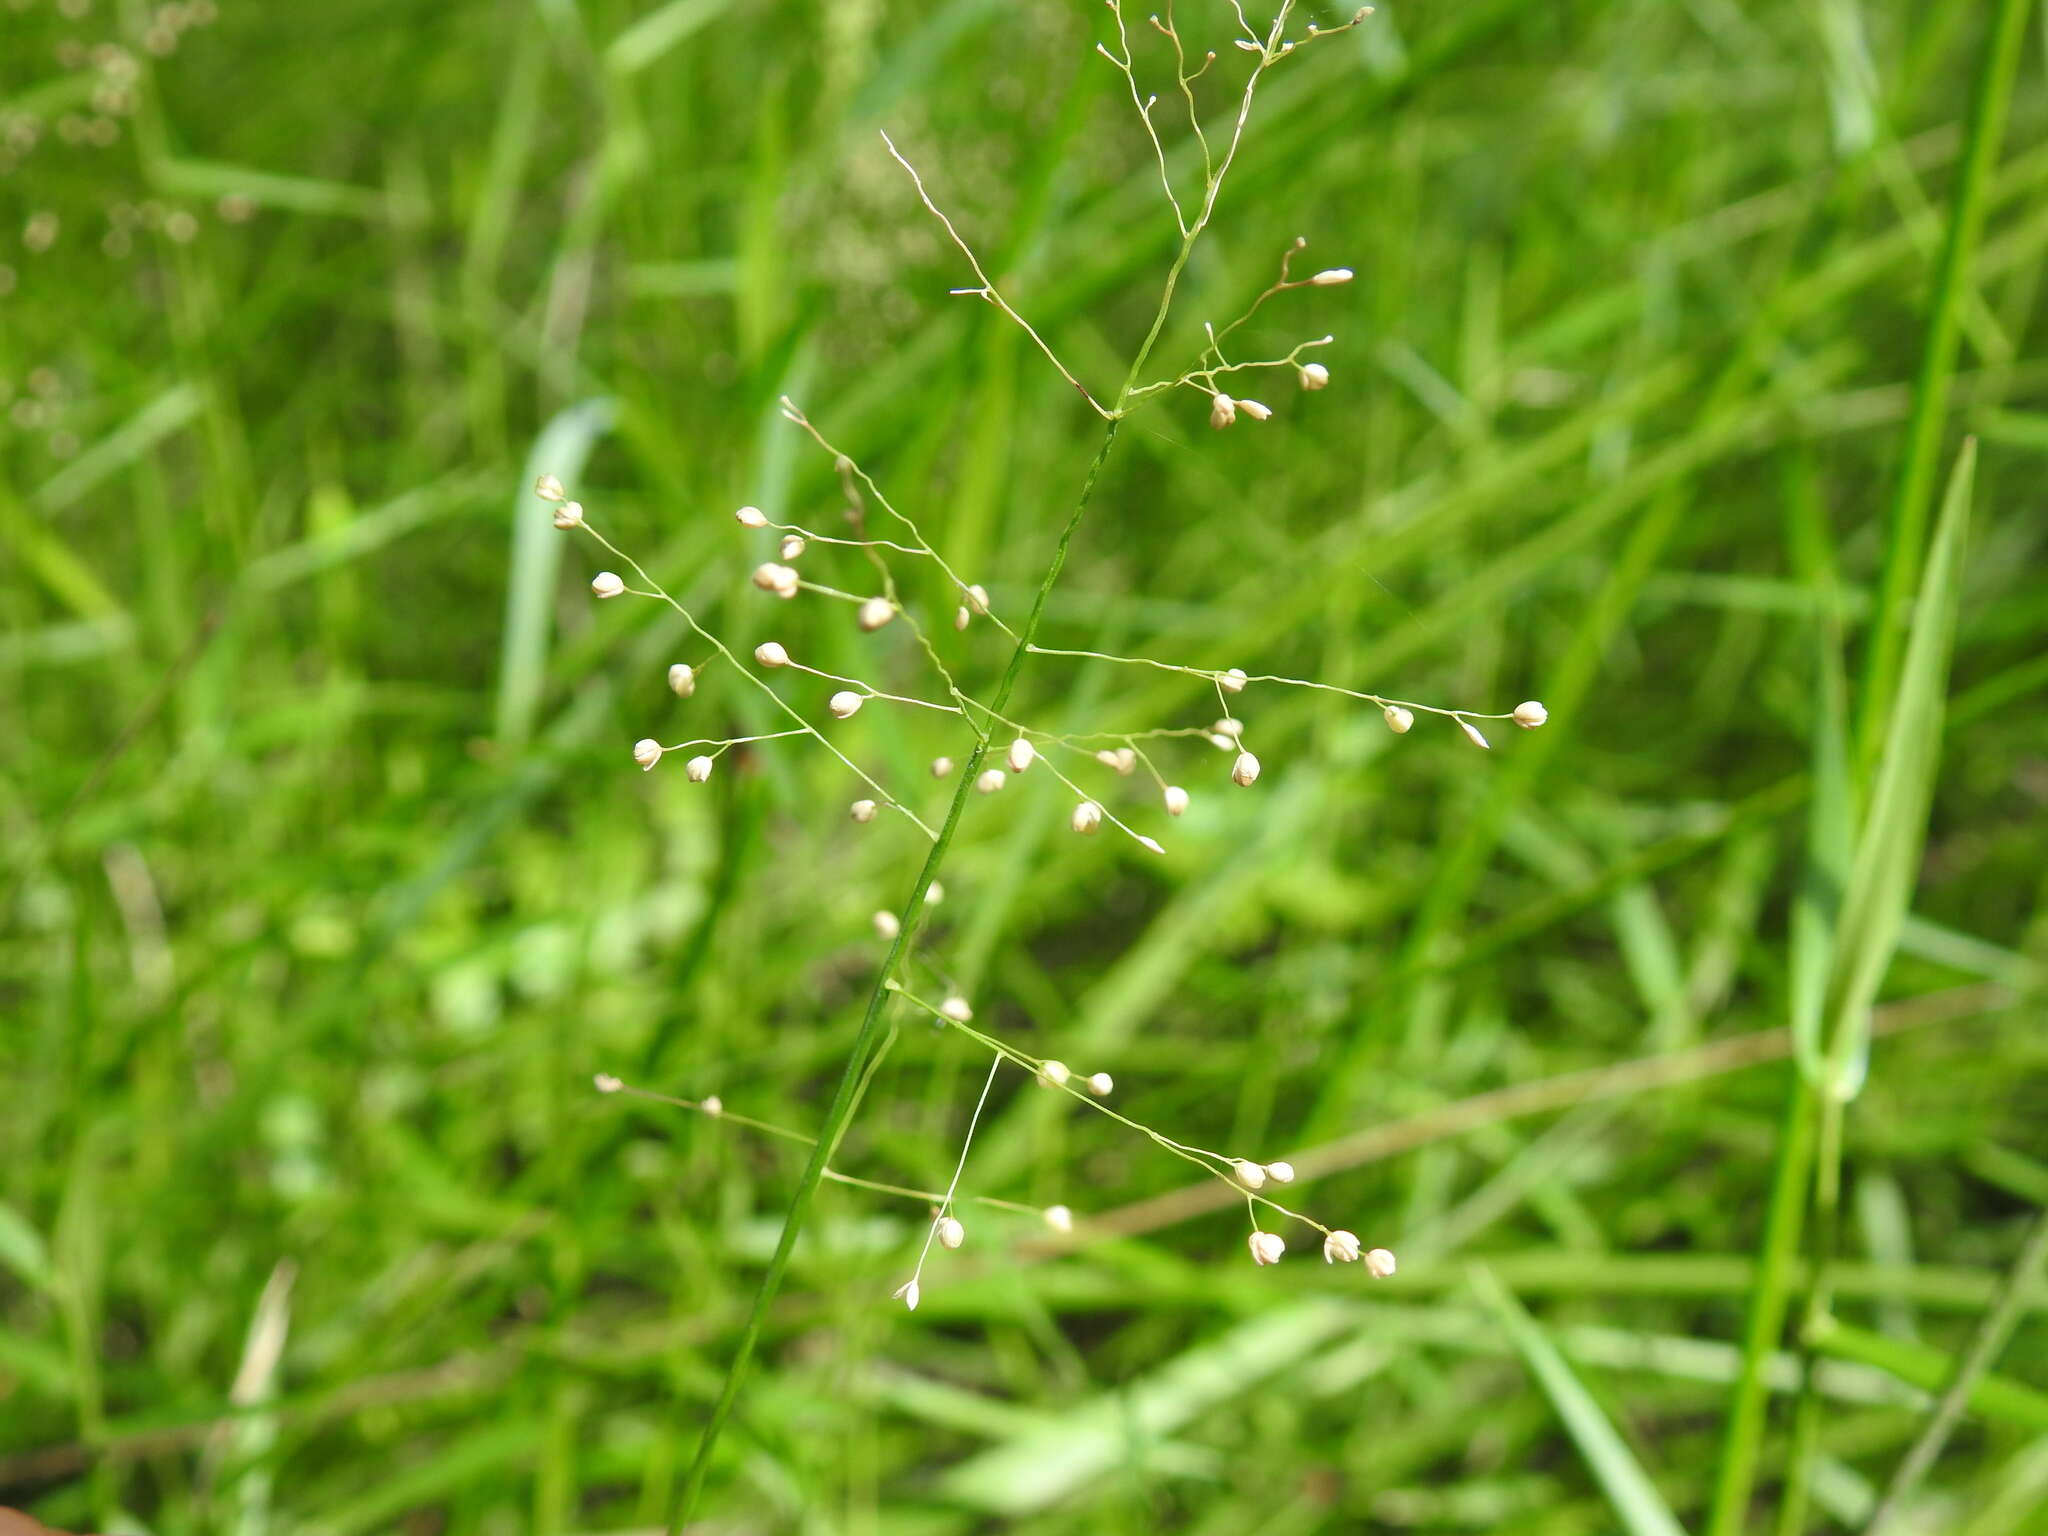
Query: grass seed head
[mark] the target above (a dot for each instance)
(1245, 771)
(863, 810)
(1472, 734)
(548, 488)
(1021, 755)
(1101, 1084)
(792, 545)
(1399, 720)
(1250, 1175)
(1060, 1218)
(607, 584)
(1280, 1173)
(887, 925)
(1053, 1074)
(604, 1081)
(1086, 818)
(646, 752)
(934, 894)
(941, 766)
(907, 1293)
(751, 517)
(1222, 412)
(844, 704)
(1176, 800)
(951, 1233)
(977, 597)
(1233, 681)
(1267, 1247)
(712, 1105)
(769, 653)
(876, 612)
(682, 680)
(1256, 411)
(1379, 1263)
(1314, 376)
(569, 514)
(991, 780)
(1340, 1247)
(1530, 713)
(956, 1008)
(1332, 277)
(698, 769)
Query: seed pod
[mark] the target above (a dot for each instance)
(1472, 733)
(769, 653)
(1125, 760)
(569, 514)
(792, 545)
(1059, 1218)
(1245, 771)
(1053, 1074)
(1101, 1084)
(1176, 800)
(1314, 376)
(646, 752)
(863, 810)
(1151, 845)
(1340, 1247)
(1250, 1175)
(1222, 412)
(941, 766)
(1332, 277)
(1379, 1263)
(1256, 411)
(1267, 1247)
(1233, 681)
(1399, 720)
(876, 612)
(698, 769)
(956, 1009)
(991, 780)
(887, 925)
(1529, 714)
(751, 517)
(1220, 742)
(951, 1233)
(548, 488)
(1106, 757)
(606, 1083)
(712, 1105)
(977, 597)
(907, 1293)
(934, 894)
(1280, 1173)
(1022, 754)
(1228, 727)
(607, 584)
(682, 680)
(960, 617)
(845, 704)
(770, 577)
(1086, 818)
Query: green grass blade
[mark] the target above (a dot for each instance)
(1628, 1487)
(561, 449)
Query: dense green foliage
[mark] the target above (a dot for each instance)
(329, 882)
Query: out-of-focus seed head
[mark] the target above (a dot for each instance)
(1332, 277)
(1176, 800)
(1472, 733)
(941, 766)
(751, 517)
(1126, 761)
(548, 488)
(792, 545)
(991, 780)
(1314, 376)
(1086, 818)
(951, 1233)
(1245, 771)
(934, 894)
(1151, 844)
(1220, 742)
(569, 514)
(1280, 1173)
(1233, 681)
(1399, 720)
(961, 617)
(682, 680)
(1021, 755)
(1340, 1247)
(1379, 1263)
(1054, 1074)
(769, 653)
(956, 1008)
(1267, 1247)
(876, 612)
(887, 925)
(1060, 1218)
(646, 752)
(1101, 1084)
(1228, 727)
(698, 769)
(977, 597)
(863, 810)
(1222, 412)
(1250, 1175)
(1530, 713)
(606, 1083)
(844, 704)
(782, 580)
(712, 1105)
(607, 584)
(1256, 411)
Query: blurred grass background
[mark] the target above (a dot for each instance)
(329, 882)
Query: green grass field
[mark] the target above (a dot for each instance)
(1688, 1051)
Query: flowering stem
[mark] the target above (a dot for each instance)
(841, 1110)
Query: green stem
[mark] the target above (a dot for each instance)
(850, 1081)
(1913, 495)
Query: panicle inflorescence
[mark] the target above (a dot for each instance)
(861, 561)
